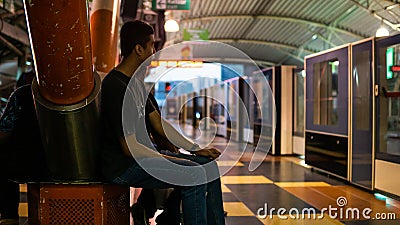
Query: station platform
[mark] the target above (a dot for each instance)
(283, 190)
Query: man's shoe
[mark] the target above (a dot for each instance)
(139, 215)
(167, 219)
(9, 222)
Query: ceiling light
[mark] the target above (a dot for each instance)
(382, 32)
(171, 26)
(314, 36)
(303, 73)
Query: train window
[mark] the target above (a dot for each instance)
(361, 90)
(389, 102)
(325, 92)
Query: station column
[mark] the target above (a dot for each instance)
(66, 87)
(104, 21)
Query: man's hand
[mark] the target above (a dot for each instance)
(173, 149)
(211, 153)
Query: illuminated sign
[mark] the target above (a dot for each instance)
(171, 4)
(395, 68)
(176, 63)
(195, 34)
(389, 62)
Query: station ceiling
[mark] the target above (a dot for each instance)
(282, 32)
(271, 32)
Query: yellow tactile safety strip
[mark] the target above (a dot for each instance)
(259, 179)
(229, 163)
(302, 184)
(237, 209)
(245, 180)
(225, 189)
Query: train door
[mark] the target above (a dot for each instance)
(361, 114)
(387, 163)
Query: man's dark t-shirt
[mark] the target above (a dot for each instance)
(160, 142)
(116, 101)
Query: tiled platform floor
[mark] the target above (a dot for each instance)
(284, 191)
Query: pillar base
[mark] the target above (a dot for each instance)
(78, 204)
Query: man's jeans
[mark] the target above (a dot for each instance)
(193, 196)
(215, 211)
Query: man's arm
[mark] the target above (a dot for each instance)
(162, 127)
(131, 147)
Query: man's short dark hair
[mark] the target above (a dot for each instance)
(134, 33)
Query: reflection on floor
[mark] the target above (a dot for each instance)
(282, 190)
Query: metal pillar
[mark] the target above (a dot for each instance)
(59, 34)
(104, 23)
(66, 88)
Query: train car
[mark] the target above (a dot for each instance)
(339, 112)
(327, 110)
(352, 113)
(387, 97)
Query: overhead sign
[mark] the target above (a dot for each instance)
(171, 4)
(177, 63)
(195, 34)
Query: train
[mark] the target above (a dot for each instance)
(352, 114)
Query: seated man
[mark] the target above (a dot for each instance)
(171, 214)
(126, 149)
